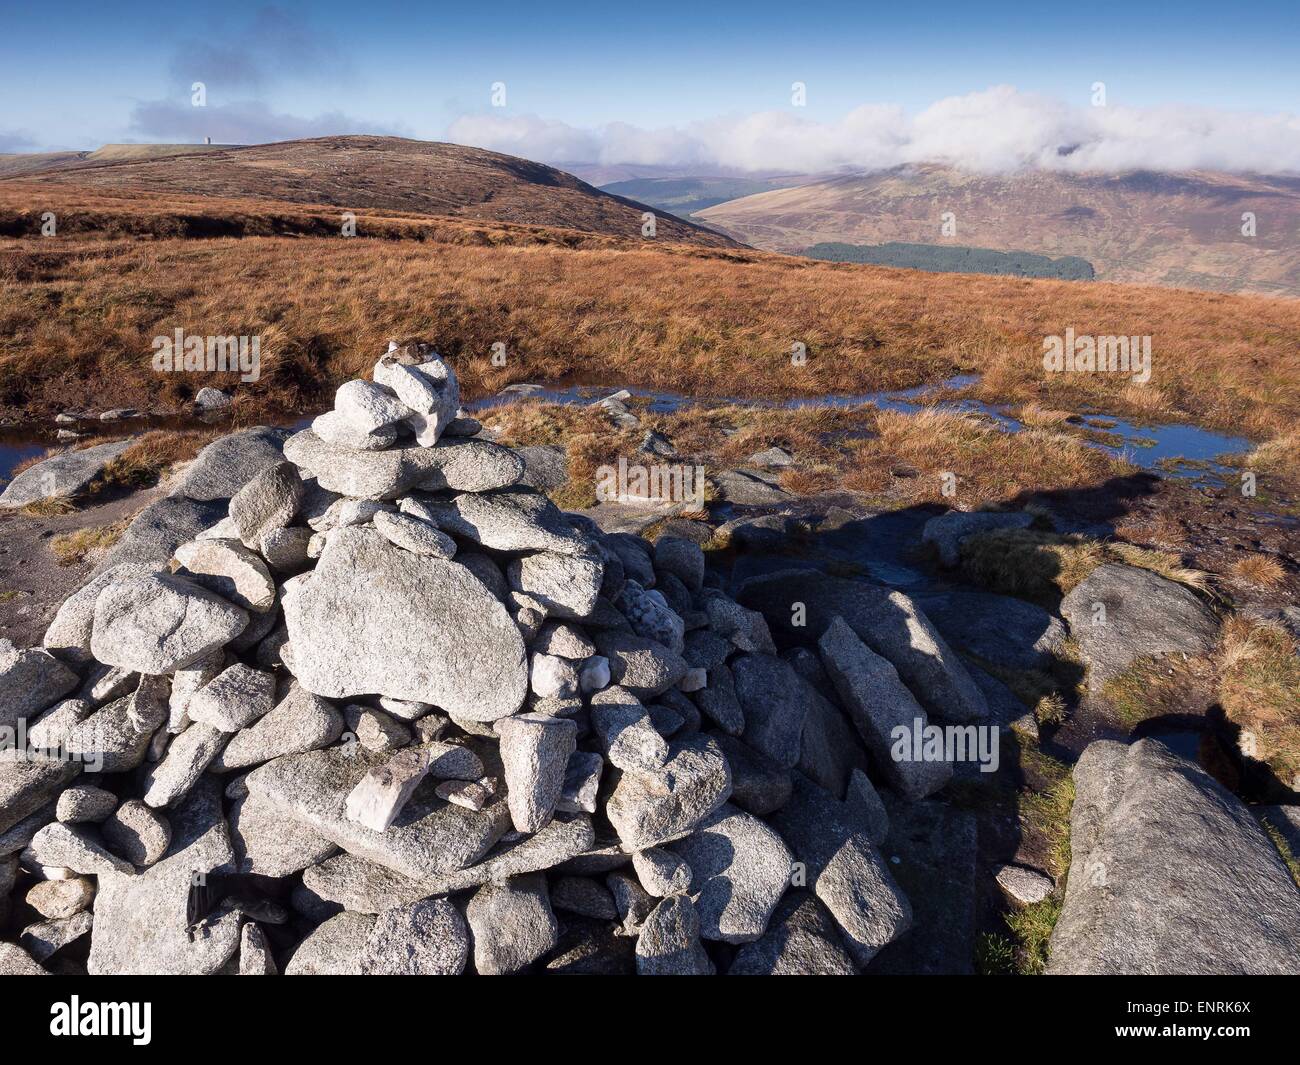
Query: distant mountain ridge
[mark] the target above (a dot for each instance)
(685, 195)
(1177, 229)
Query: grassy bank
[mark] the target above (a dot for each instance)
(892, 458)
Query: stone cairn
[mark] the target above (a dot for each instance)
(397, 713)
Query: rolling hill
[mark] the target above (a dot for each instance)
(31, 164)
(389, 174)
(1181, 230)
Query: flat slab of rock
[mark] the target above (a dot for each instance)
(739, 868)
(361, 885)
(412, 534)
(430, 836)
(140, 917)
(458, 465)
(28, 782)
(776, 702)
(269, 844)
(335, 948)
(116, 737)
(564, 641)
(879, 705)
(844, 870)
(19, 835)
(830, 749)
(890, 623)
(68, 637)
(1169, 873)
(509, 520)
(161, 623)
(60, 846)
(188, 757)
(234, 699)
(223, 467)
(30, 680)
(157, 531)
(511, 924)
(230, 570)
(374, 619)
(735, 486)
(802, 940)
(1119, 613)
(60, 476)
(996, 628)
(300, 722)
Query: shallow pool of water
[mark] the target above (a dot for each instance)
(16, 447)
(1149, 447)
(1158, 447)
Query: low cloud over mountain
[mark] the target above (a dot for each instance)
(995, 130)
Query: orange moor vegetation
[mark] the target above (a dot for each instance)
(78, 314)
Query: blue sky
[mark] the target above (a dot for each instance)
(74, 75)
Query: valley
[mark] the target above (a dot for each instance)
(1181, 230)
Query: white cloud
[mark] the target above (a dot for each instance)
(996, 130)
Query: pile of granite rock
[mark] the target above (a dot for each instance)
(394, 712)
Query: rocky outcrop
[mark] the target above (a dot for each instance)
(801, 604)
(947, 532)
(1118, 614)
(60, 476)
(1169, 873)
